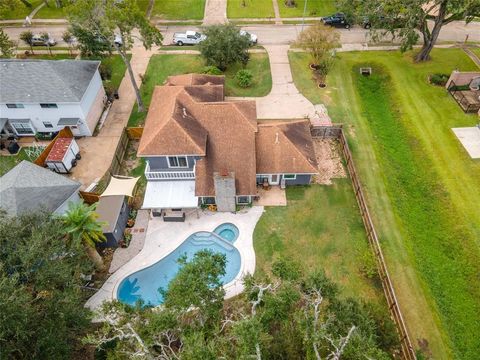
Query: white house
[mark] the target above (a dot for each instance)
(44, 96)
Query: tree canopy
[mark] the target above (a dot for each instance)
(41, 303)
(7, 46)
(408, 20)
(109, 25)
(224, 46)
(291, 315)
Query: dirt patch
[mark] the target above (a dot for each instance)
(329, 161)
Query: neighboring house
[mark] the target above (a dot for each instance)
(44, 96)
(28, 187)
(113, 214)
(201, 149)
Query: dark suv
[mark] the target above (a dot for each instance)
(340, 20)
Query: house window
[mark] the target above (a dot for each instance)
(208, 200)
(177, 161)
(15, 106)
(243, 199)
(289, 176)
(22, 128)
(48, 124)
(48, 106)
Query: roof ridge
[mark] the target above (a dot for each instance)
(185, 131)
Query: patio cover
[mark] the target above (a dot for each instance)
(170, 195)
(120, 186)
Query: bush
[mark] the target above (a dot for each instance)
(439, 79)
(105, 71)
(244, 78)
(211, 70)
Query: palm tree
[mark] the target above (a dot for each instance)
(83, 229)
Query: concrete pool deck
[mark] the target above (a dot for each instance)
(164, 237)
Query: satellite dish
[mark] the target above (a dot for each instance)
(475, 83)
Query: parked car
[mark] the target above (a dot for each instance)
(188, 38)
(340, 20)
(38, 40)
(252, 37)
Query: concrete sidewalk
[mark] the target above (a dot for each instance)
(215, 12)
(98, 151)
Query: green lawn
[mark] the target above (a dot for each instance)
(21, 11)
(422, 187)
(476, 51)
(252, 9)
(7, 162)
(321, 228)
(315, 8)
(118, 70)
(48, 56)
(162, 66)
(50, 12)
(178, 10)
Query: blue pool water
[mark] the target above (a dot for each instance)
(227, 231)
(144, 284)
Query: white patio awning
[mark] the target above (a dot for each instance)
(170, 195)
(120, 186)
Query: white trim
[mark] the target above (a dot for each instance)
(177, 167)
(12, 121)
(270, 180)
(286, 179)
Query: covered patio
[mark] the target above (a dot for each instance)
(170, 195)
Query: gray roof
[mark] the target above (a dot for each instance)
(108, 210)
(45, 81)
(30, 187)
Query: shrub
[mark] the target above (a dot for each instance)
(105, 71)
(211, 70)
(439, 79)
(244, 78)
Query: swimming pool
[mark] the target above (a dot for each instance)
(144, 284)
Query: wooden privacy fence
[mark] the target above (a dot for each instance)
(134, 133)
(64, 133)
(408, 352)
(119, 154)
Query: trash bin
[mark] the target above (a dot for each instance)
(13, 147)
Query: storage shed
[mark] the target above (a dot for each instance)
(113, 212)
(63, 155)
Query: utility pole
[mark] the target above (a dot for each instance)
(304, 11)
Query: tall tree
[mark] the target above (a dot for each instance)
(84, 230)
(109, 21)
(27, 38)
(407, 20)
(7, 46)
(41, 302)
(224, 46)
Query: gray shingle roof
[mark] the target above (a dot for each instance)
(30, 187)
(45, 81)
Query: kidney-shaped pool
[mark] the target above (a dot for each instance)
(145, 284)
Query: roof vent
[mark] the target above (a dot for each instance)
(184, 112)
(276, 138)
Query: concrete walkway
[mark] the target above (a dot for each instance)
(276, 10)
(215, 12)
(123, 255)
(164, 237)
(284, 100)
(97, 151)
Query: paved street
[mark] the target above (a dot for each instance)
(278, 34)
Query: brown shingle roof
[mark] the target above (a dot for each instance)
(285, 147)
(170, 128)
(195, 79)
(230, 147)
